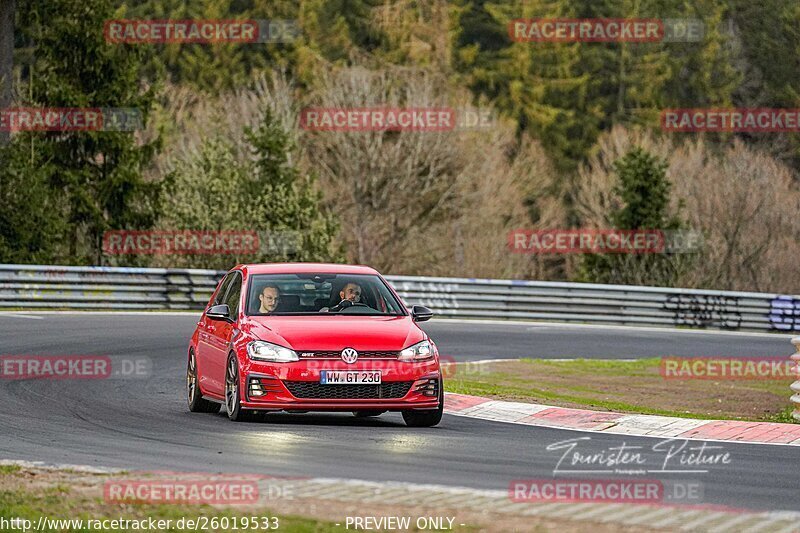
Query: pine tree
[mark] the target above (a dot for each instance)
(288, 199)
(6, 57)
(769, 35)
(704, 73)
(218, 188)
(644, 193)
(97, 174)
(33, 217)
(538, 84)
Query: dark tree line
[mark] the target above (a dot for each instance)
(7, 8)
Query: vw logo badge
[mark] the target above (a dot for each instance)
(349, 356)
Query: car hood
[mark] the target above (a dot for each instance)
(309, 333)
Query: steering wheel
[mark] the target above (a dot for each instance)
(344, 304)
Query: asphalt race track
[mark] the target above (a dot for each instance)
(144, 423)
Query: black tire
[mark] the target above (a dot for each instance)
(233, 397)
(197, 404)
(367, 413)
(425, 418)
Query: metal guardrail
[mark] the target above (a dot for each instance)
(54, 287)
(796, 385)
(602, 304)
(67, 287)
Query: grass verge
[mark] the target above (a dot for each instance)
(623, 386)
(63, 506)
(34, 493)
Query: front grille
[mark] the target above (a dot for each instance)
(312, 389)
(331, 354)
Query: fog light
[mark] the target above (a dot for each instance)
(255, 387)
(427, 387)
(261, 386)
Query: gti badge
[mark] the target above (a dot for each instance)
(349, 356)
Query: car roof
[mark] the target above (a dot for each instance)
(305, 268)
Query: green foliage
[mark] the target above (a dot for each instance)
(333, 30)
(538, 84)
(214, 67)
(644, 192)
(566, 94)
(33, 216)
(218, 188)
(768, 35)
(96, 174)
(353, 18)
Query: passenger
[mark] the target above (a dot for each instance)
(269, 298)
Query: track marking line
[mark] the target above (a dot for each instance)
(21, 315)
(728, 525)
(536, 326)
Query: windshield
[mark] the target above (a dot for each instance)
(321, 294)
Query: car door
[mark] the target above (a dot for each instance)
(220, 333)
(207, 373)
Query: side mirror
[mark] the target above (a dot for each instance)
(420, 313)
(219, 312)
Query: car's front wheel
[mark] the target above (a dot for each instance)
(427, 417)
(233, 401)
(197, 404)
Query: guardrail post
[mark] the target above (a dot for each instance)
(796, 385)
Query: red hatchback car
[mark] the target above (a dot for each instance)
(304, 337)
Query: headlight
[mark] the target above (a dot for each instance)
(266, 351)
(418, 352)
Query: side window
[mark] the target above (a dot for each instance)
(223, 288)
(233, 294)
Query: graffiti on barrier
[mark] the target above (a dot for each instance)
(703, 311)
(434, 295)
(784, 313)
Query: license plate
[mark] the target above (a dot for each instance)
(350, 377)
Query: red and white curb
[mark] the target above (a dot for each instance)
(619, 423)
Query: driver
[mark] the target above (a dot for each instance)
(269, 298)
(352, 292)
